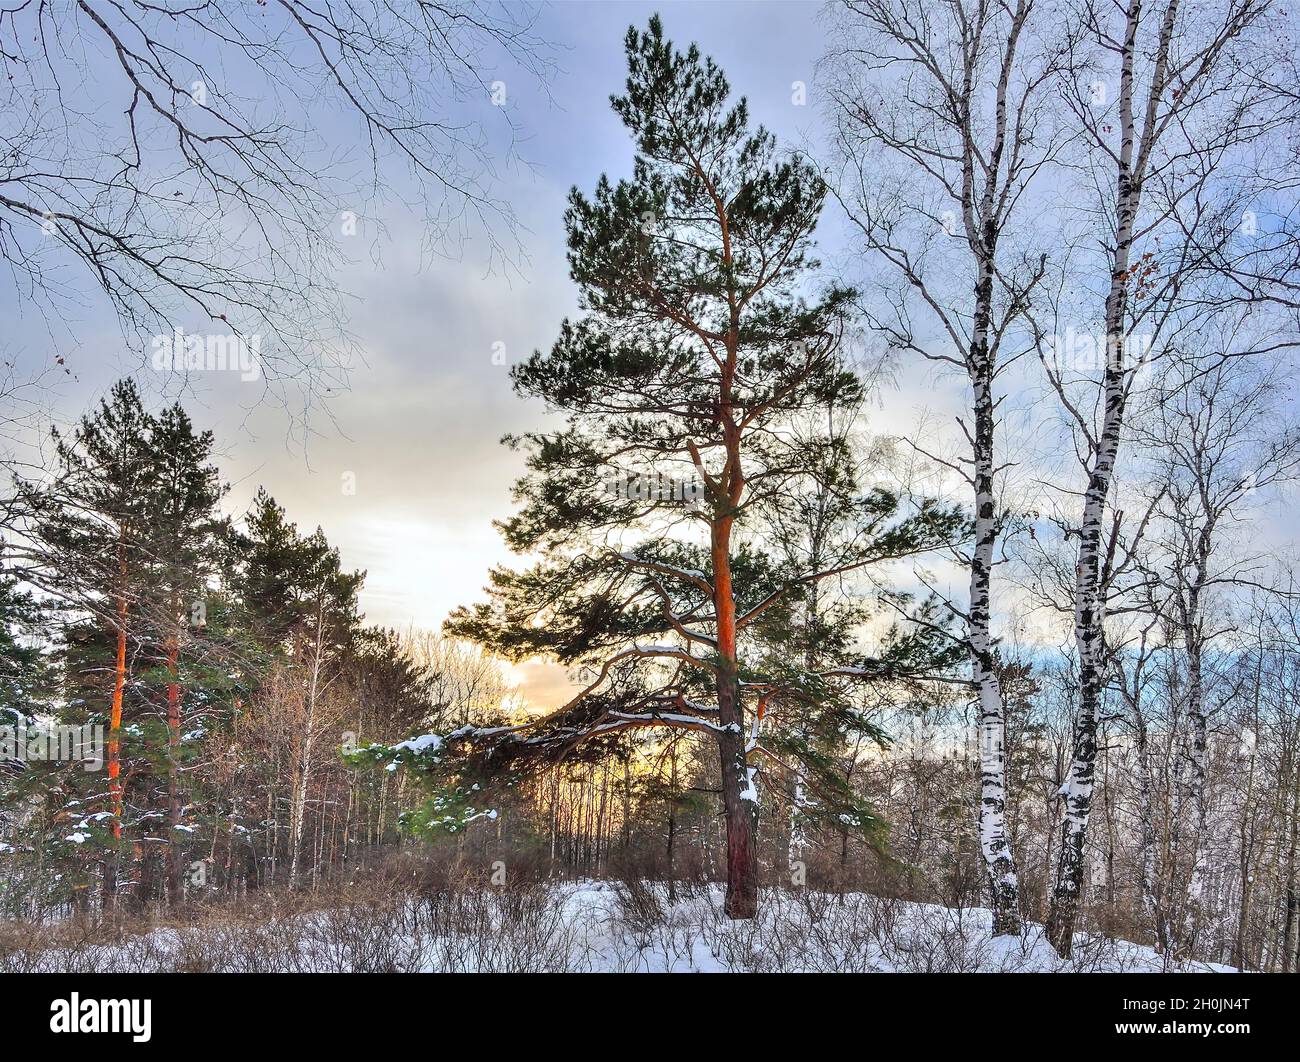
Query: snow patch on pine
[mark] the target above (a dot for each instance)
(420, 744)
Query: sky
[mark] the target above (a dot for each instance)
(408, 474)
(422, 425)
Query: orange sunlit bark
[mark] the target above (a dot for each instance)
(115, 722)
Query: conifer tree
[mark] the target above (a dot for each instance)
(26, 673)
(303, 606)
(705, 338)
(27, 791)
(90, 529)
(186, 538)
(124, 541)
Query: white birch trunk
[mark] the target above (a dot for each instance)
(299, 806)
(1089, 591)
(999, 865)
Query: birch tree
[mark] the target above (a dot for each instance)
(1219, 446)
(941, 123)
(301, 602)
(1166, 109)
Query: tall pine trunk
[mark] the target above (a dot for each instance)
(173, 769)
(672, 828)
(739, 787)
(115, 795)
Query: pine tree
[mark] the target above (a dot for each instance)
(128, 538)
(29, 792)
(269, 571)
(186, 538)
(26, 673)
(91, 529)
(705, 339)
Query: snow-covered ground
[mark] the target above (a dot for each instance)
(821, 932)
(599, 927)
